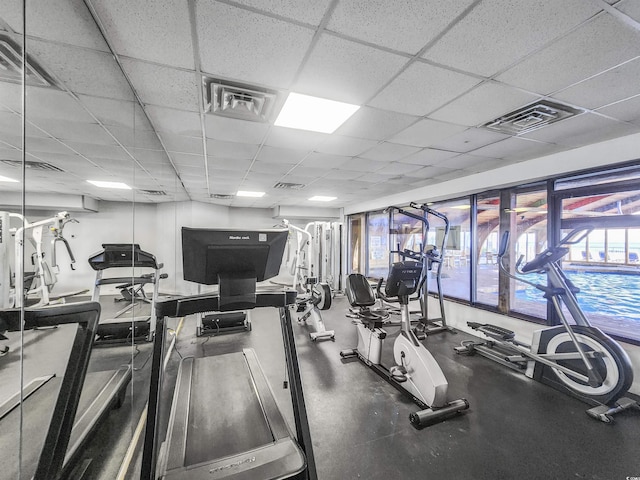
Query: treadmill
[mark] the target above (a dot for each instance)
(123, 327)
(71, 406)
(224, 422)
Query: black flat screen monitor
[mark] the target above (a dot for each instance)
(208, 254)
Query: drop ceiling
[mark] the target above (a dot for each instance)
(130, 102)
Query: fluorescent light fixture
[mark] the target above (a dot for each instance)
(320, 198)
(7, 179)
(101, 184)
(244, 193)
(312, 113)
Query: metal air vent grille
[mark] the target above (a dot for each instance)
(238, 101)
(152, 192)
(289, 186)
(11, 66)
(531, 117)
(33, 165)
(222, 196)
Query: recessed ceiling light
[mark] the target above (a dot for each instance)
(7, 179)
(244, 193)
(320, 198)
(101, 184)
(312, 113)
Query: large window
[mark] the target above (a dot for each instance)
(605, 265)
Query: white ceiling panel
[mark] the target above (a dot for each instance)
(599, 45)
(628, 110)
(55, 105)
(364, 165)
(76, 131)
(616, 84)
(190, 159)
(325, 160)
(99, 151)
(418, 20)
(340, 174)
(482, 104)
(308, 172)
(307, 11)
(165, 38)
(11, 124)
(345, 146)
(468, 162)
(582, 130)
(163, 86)
(346, 71)
(387, 151)
(81, 70)
(373, 178)
(233, 130)
(280, 155)
(271, 49)
(175, 121)
(41, 144)
(136, 138)
(119, 113)
(498, 33)
(57, 20)
(283, 137)
(261, 166)
(11, 96)
(150, 157)
(426, 132)
(182, 143)
(630, 8)
(237, 164)
(509, 147)
(375, 124)
(469, 140)
(220, 148)
(430, 87)
(428, 156)
(396, 168)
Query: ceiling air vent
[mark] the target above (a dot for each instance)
(222, 196)
(243, 102)
(11, 65)
(33, 165)
(531, 117)
(157, 193)
(289, 186)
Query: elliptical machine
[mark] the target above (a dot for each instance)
(579, 359)
(416, 373)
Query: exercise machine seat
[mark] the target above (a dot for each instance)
(359, 291)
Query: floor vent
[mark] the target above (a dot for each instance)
(531, 117)
(157, 193)
(289, 186)
(222, 196)
(239, 101)
(33, 165)
(11, 66)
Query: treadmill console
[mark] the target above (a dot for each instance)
(122, 255)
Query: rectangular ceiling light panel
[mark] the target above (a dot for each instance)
(313, 113)
(531, 117)
(239, 101)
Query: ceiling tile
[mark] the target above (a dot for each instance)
(396, 168)
(271, 167)
(469, 140)
(40, 144)
(582, 130)
(111, 112)
(165, 38)
(99, 151)
(325, 160)
(466, 162)
(628, 110)
(339, 174)
(11, 125)
(483, 103)
(150, 157)
(511, 146)
(496, 34)
(363, 165)
(374, 124)
(58, 20)
(190, 159)
(232, 130)
(230, 163)
(163, 86)
(249, 47)
(629, 8)
(296, 139)
(136, 138)
(430, 87)
(373, 178)
(346, 71)
(81, 70)
(76, 131)
(308, 172)
(428, 156)
(219, 148)
(608, 42)
(182, 143)
(389, 152)
(281, 155)
(418, 20)
(11, 96)
(426, 132)
(345, 146)
(53, 104)
(611, 86)
(307, 11)
(175, 121)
